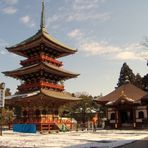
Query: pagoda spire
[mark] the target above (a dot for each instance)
(42, 25)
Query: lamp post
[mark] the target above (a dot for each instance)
(2, 101)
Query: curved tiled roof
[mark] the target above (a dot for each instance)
(42, 65)
(145, 98)
(59, 95)
(43, 94)
(129, 90)
(41, 34)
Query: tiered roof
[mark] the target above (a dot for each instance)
(44, 66)
(37, 97)
(50, 93)
(127, 92)
(42, 38)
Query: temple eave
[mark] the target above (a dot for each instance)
(116, 94)
(46, 95)
(37, 67)
(41, 38)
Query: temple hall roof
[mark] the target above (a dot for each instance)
(130, 91)
(145, 98)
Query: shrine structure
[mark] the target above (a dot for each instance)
(127, 107)
(41, 92)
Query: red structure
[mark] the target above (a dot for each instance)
(41, 92)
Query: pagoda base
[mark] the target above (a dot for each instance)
(47, 123)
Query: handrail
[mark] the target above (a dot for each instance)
(41, 58)
(41, 84)
(46, 120)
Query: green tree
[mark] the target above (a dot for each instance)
(7, 116)
(145, 82)
(125, 73)
(81, 110)
(138, 81)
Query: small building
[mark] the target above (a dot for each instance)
(127, 107)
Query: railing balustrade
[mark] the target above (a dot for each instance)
(41, 58)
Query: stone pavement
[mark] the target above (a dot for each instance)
(137, 144)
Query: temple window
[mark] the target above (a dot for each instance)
(112, 117)
(141, 115)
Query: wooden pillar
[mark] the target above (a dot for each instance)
(147, 112)
(116, 118)
(107, 113)
(134, 116)
(119, 119)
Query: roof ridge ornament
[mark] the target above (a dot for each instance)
(42, 25)
(123, 94)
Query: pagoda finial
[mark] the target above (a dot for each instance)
(42, 25)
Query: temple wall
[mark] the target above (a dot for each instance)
(109, 114)
(140, 114)
(143, 110)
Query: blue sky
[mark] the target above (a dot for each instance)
(105, 32)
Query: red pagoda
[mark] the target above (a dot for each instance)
(41, 92)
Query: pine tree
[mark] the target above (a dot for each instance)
(145, 82)
(125, 73)
(138, 81)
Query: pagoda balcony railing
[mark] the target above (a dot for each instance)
(43, 120)
(40, 84)
(41, 58)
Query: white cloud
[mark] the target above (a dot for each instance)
(9, 10)
(132, 51)
(126, 55)
(3, 44)
(11, 2)
(90, 47)
(80, 5)
(79, 10)
(97, 48)
(83, 10)
(76, 33)
(85, 17)
(27, 20)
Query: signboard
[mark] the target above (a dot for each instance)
(2, 98)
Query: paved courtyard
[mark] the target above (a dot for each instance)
(87, 139)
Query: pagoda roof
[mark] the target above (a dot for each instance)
(129, 90)
(40, 37)
(43, 95)
(36, 67)
(59, 95)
